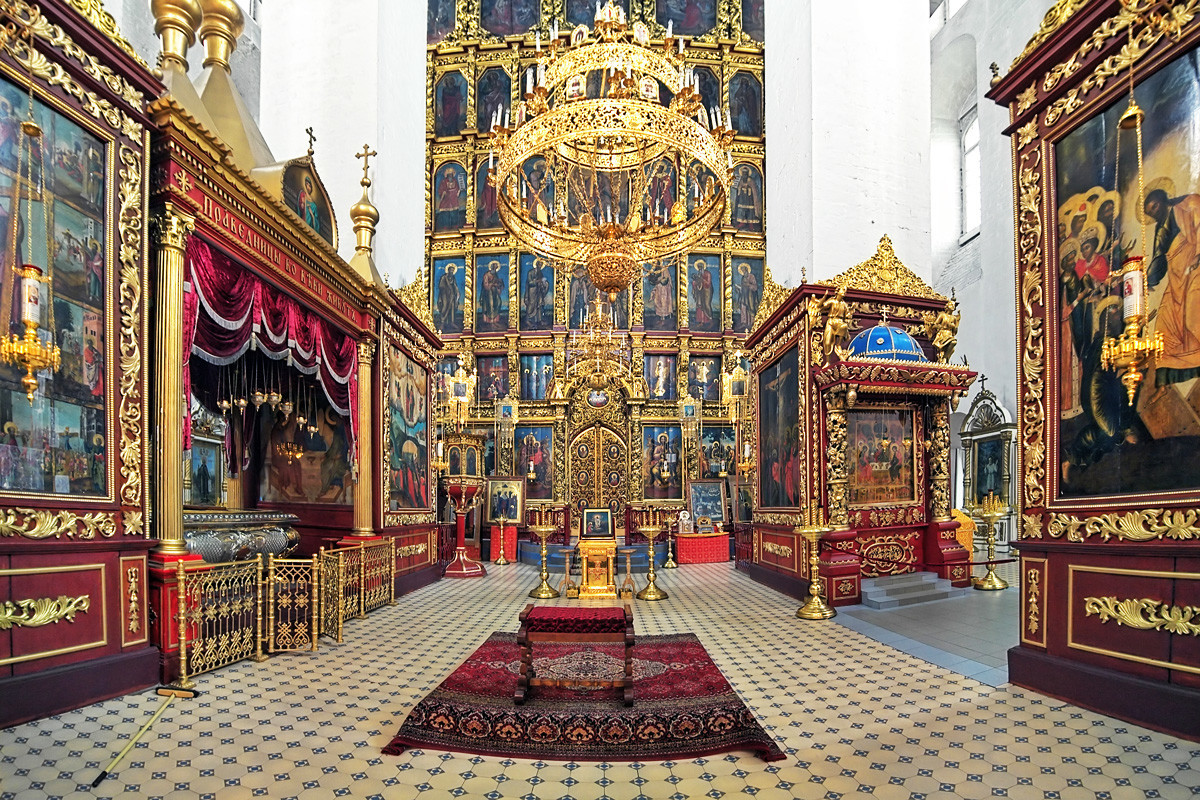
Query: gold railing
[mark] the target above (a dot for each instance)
(365, 579)
(219, 617)
(332, 577)
(293, 590)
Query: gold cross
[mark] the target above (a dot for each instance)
(311, 138)
(365, 155)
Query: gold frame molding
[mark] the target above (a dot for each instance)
(103, 606)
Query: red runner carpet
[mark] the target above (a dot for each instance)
(684, 707)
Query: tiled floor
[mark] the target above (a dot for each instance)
(857, 717)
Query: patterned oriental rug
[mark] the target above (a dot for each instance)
(683, 706)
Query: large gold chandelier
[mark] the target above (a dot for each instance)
(599, 354)
(595, 118)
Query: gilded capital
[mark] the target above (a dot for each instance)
(175, 22)
(366, 351)
(223, 24)
(171, 229)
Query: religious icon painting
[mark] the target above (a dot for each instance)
(487, 213)
(493, 377)
(449, 289)
(320, 471)
(450, 104)
(754, 19)
(505, 499)
(207, 473)
(509, 17)
(1105, 446)
(493, 94)
(537, 373)
(407, 431)
(660, 373)
(688, 17)
(699, 184)
(620, 310)
(662, 465)
(78, 253)
(717, 451)
(441, 20)
(746, 196)
(535, 459)
(660, 191)
(704, 378)
(537, 190)
(748, 283)
(304, 194)
(660, 310)
(881, 470)
(779, 426)
(449, 197)
(988, 462)
(706, 500)
(596, 523)
(537, 293)
(709, 87)
(77, 169)
(745, 104)
(81, 338)
(491, 292)
(583, 12)
(704, 293)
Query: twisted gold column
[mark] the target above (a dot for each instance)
(364, 485)
(170, 229)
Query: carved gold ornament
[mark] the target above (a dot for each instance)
(1032, 527)
(1027, 98)
(1132, 526)
(135, 617)
(1145, 614)
(1033, 364)
(93, 11)
(1027, 133)
(42, 611)
(43, 524)
(886, 274)
(131, 236)
(1054, 19)
(1032, 599)
(412, 549)
(781, 550)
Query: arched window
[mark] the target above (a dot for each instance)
(968, 137)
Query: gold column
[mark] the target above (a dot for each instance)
(364, 494)
(835, 462)
(939, 462)
(170, 229)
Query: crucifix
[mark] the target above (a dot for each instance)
(365, 155)
(983, 383)
(311, 138)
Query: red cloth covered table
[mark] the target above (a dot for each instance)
(510, 542)
(702, 549)
(565, 624)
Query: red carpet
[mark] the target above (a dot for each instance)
(684, 707)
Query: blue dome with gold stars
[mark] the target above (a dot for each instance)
(883, 342)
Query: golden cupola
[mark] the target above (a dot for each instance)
(176, 23)
(365, 217)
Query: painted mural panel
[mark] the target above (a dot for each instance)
(881, 457)
(661, 188)
(440, 21)
(449, 197)
(689, 17)
(989, 469)
(537, 189)
(779, 432)
(745, 104)
(319, 472)
(581, 291)
(509, 17)
(583, 12)
(537, 293)
(450, 104)
(57, 445)
(535, 456)
(718, 450)
(748, 281)
(491, 293)
(494, 93)
(408, 432)
(754, 19)
(493, 377)
(537, 373)
(704, 293)
(704, 378)
(1106, 446)
(487, 212)
(449, 289)
(747, 196)
(660, 373)
(302, 193)
(662, 477)
(660, 309)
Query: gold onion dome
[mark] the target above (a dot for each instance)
(223, 24)
(176, 22)
(607, 121)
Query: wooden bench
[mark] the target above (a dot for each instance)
(585, 625)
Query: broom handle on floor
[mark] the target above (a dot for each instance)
(132, 741)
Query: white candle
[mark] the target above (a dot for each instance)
(680, 45)
(537, 42)
(439, 449)
(529, 81)
(506, 117)
(31, 301)
(670, 28)
(597, 10)
(747, 449)
(489, 159)
(541, 74)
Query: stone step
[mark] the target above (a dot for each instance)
(901, 580)
(896, 602)
(900, 591)
(893, 591)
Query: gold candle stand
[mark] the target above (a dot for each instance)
(670, 562)
(502, 561)
(544, 590)
(627, 587)
(991, 510)
(651, 592)
(812, 531)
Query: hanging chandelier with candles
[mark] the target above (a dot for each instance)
(608, 116)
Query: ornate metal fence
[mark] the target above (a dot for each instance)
(364, 577)
(220, 615)
(293, 590)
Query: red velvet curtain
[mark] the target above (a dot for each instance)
(228, 310)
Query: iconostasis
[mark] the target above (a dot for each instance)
(511, 312)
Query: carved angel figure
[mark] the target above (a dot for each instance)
(942, 329)
(838, 318)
